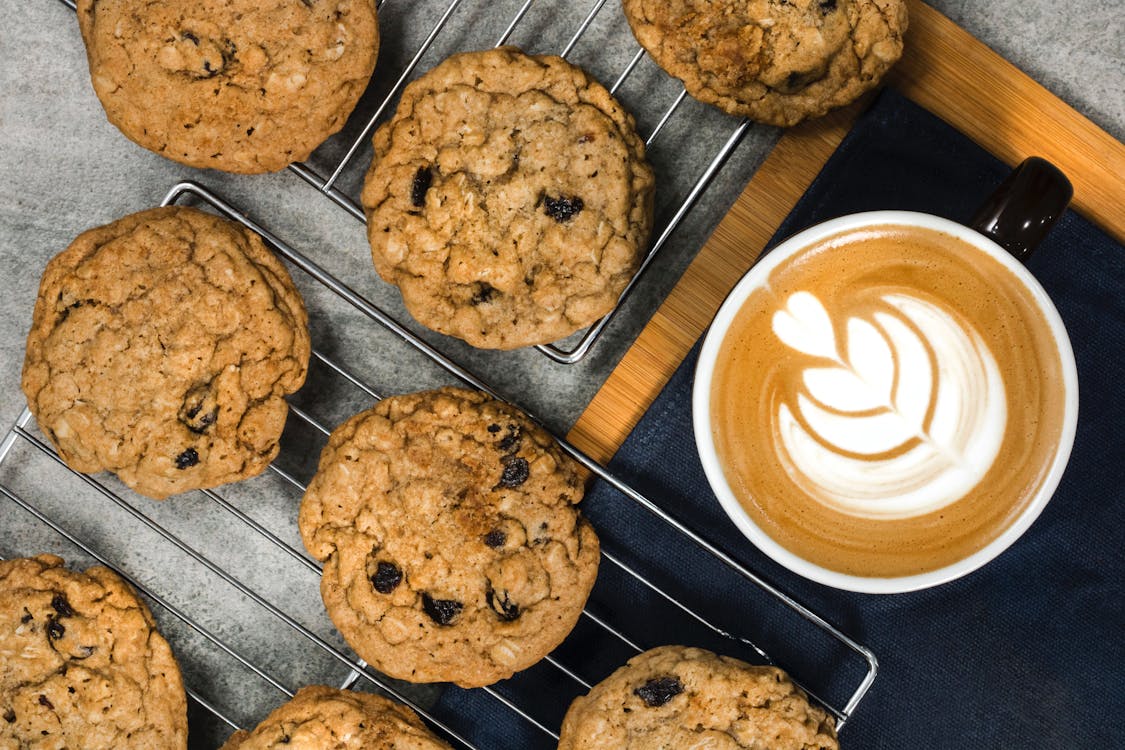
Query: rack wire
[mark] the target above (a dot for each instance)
(22, 442)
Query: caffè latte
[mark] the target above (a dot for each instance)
(887, 401)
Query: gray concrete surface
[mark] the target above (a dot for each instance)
(63, 168)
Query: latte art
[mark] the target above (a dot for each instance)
(885, 401)
(903, 417)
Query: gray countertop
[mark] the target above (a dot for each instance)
(65, 168)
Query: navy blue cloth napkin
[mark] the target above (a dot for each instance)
(1027, 652)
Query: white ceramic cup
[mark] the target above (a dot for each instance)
(756, 278)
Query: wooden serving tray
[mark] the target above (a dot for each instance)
(953, 75)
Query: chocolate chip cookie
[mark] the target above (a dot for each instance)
(451, 545)
(324, 717)
(675, 696)
(82, 664)
(162, 348)
(238, 85)
(508, 198)
(775, 61)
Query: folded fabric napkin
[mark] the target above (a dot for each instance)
(1027, 652)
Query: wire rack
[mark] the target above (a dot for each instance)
(143, 512)
(245, 659)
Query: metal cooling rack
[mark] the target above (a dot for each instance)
(22, 445)
(509, 700)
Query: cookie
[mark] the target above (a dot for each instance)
(775, 61)
(676, 696)
(508, 198)
(161, 349)
(324, 717)
(452, 549)
(238, 85)
(82, 664)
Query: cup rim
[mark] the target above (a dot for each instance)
(704, 373)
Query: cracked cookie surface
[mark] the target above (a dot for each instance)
(82, 664)
(508, 198)
(451, 544)
(237, 85)
(775, 61)
(677, 696)
(162, 348)
(319, 717)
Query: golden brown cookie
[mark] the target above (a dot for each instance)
(676, 696)
(237, 85)
(775, 61)
(82, 664)
(508, 198)
(324, 718)
(162, 348)
(451, 545)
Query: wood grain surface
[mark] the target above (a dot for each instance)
(947, 71)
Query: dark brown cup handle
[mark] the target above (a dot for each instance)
(1024, 208)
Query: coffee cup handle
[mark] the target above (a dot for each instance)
(1020, 213)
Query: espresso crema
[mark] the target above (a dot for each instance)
(888, 402)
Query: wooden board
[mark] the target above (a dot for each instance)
(947, 71)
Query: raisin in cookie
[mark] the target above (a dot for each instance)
(82, 664)
(162, 347)
(775, 61)
(324, 717)
(675, 696)
(451, 545)
(508, 198)
(238, 85)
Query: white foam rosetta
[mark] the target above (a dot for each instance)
(905, 421)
